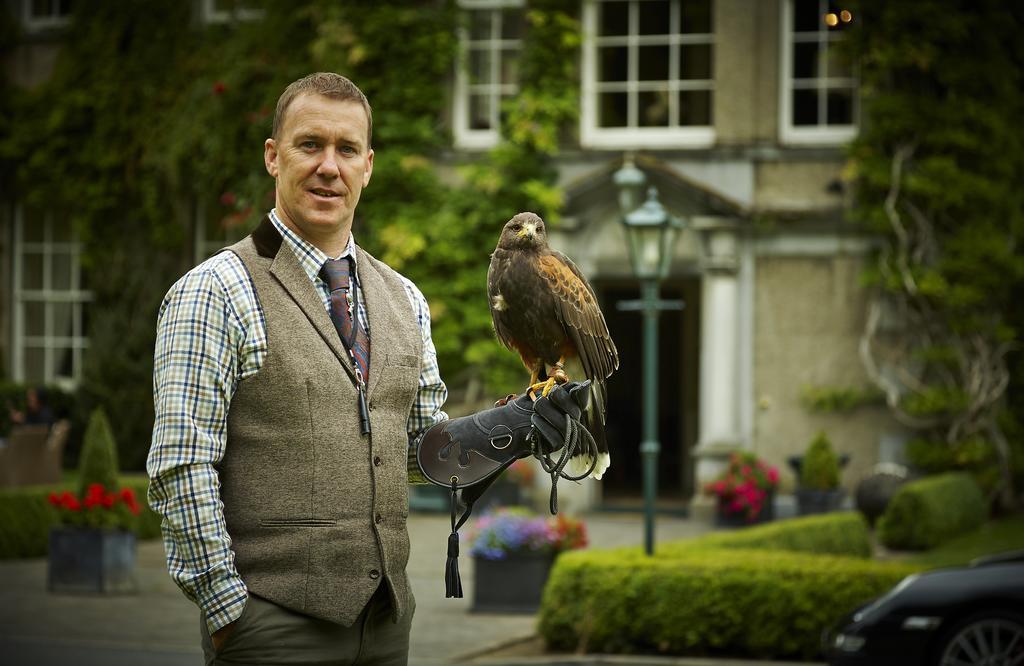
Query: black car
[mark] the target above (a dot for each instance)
(967, 616)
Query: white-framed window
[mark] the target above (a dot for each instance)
(648, 74)
(50, 300)
(40, 15)
(818, 95)
(227, 11)
(491, 39)
(217, 224)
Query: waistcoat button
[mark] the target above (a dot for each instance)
(374, 574)
(376, 461)
(379, 519)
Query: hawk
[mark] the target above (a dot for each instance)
(543, 308)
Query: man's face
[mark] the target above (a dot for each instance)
(321, 162)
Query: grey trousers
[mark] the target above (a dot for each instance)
(266, 633)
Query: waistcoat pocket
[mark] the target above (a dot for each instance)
(297, 522)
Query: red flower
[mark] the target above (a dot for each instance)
(219, 87)
(108, 500)
(228, 199)
(54, 499)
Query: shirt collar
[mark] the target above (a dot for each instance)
(310, 257)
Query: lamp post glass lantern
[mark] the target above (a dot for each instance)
(651, 232)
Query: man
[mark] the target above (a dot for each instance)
(37, 409)
(294, 377)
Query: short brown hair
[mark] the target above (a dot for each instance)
(328, 84)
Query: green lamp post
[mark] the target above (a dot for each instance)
(651, 233)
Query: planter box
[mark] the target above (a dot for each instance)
(725, 519)
(84, 559)
(818, 501)
(510, 585)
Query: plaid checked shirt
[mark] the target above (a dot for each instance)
(211, 334)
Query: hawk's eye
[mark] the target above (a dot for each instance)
(516, 227)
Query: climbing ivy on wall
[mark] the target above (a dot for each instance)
(937, 166)
(149, 112)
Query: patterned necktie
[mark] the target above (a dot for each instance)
(345, 313)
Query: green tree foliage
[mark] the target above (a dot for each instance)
(149, 114)
(937, 167)
(98, 463)
(819, 469)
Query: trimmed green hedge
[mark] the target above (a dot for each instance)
(930, 511)
(766, 591)
(763, 604)
(26, 517)
(843, 533)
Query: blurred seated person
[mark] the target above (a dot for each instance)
(37, 409)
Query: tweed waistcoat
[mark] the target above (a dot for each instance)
(316, 510)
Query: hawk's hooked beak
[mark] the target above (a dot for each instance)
(529, 230)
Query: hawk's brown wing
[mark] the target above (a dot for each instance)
(578, 311)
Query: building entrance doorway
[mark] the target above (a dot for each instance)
(678, 365)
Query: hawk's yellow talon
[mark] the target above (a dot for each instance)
(543, 387)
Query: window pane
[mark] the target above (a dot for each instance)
(695, 16)
(695, 107)
(613, 63)
(613, 18)
(60, 271)
(33, 225)
(805, 60)
(63, 362)
(479, 66)
(840, 106)
(35, 318)
(61, 229)
(512, 23)
(614, 110)
(32, 271)
(34, 361)
(654, 17)
(510, 66)
(480, 112)
(41, 8)
(480, 24)
(63, 325)
(653, 108)
(695, 62)
(653, 63)
(806, 15)
(805, 107)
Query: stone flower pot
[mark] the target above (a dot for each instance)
(512, 584)
(89, 559)
(818, 501)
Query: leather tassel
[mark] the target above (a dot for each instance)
(452, 580)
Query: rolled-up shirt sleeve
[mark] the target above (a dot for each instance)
(432, 392)
(200, 346)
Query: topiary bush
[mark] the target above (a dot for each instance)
(820, 467)
(930, 511)
(763, 604)
(98, 463)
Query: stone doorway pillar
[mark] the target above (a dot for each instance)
(724, 378)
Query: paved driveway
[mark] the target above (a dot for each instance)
(157, 626)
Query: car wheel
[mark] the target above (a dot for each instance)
(992, 638)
